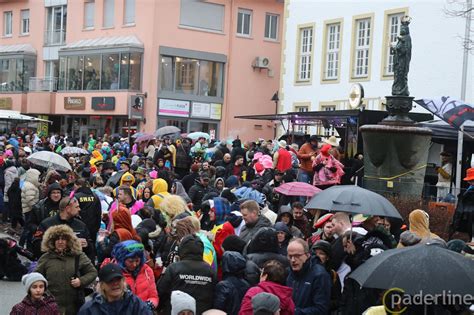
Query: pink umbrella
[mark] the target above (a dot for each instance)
(145, 137)
(297, 189)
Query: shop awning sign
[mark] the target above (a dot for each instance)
(201, 110)
(136, 107)
(173, 108)
(103, 103)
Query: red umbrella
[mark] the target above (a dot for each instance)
(297, 189)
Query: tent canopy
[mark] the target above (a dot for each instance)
(14, 115)
(442, 130)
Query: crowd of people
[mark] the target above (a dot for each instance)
(176, 226)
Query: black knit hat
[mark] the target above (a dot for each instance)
(233, 243)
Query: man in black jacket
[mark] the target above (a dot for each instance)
(191, 275)
(199, 190)
(46, 207)
(68, 211)
(91, 210)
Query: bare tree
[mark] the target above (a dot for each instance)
(462, 9)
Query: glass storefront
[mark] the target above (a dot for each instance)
(80, 127)
(112, 71)
(15, 73)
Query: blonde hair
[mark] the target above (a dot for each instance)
(173, 205)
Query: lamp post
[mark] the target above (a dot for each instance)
(276, 100)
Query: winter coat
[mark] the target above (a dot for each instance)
(59, 269)
(197, 192)
(311, 288)
(304, 155)
(229, 292)
(30, 191)
(46, 306)
(294, 231)
(129, 305)
(284, 293)
(264, 247)
(14, 195)
(91, 210)
(463, 220)
(44, 209)
(248, 231)
(190, 275)
(237, 150)
(10, 173)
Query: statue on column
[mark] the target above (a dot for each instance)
(401, 51)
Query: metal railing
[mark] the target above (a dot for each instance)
(47, 84)
(57, 37)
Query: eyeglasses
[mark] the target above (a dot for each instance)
(295, 256)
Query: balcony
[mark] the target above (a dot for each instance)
(47, 84)
(55, 38)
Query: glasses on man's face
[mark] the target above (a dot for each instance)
(296, 256)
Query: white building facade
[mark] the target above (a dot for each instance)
(331, 45)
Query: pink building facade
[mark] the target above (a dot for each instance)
(91, 65)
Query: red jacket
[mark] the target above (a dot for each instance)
(284, 293)
(284, 160)
(144, 285)
(46, 306)
(226, 230)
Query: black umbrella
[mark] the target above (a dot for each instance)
(353, 199)
(425, 268)
(114, 180)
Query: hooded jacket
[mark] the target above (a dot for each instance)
(197, 192)
(229, 292)
(10, 173)
(45, 208)
(59, 269)
(284, 293)
(190, 275)
(419, 225)
(45, 306)
(129, 304)
(160, 190)
(30, 191)
(237, 150)
(180, 191)
(294, 231)
(264, 247)
(311, 288)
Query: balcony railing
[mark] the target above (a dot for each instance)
(47, 84)
(57, 37)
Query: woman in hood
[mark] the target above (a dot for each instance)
(419, 222)
(219, 184)
(283, 236)
(66, 267)
(130, 256)
(178, 189)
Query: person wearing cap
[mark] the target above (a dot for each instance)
(37, 300)
(191, 178)
(306, 153)
(334, 151)
(66, 267)
(113, 297)
(445, 172)
(200, 189)
(46, 207)
(182, 303)
(191, 275)
(266, 304)
(463, 220)
(324, 229)
(282, 158)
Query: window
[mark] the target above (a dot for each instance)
(305, 53)
(129, 12)
(302, 109)
(362, 48)
(201, 14)
(107, 71)
(15, 73)
(393, 30)
(109, 10)
(25, 22)
(329, 129)
(191, 76)
(56, 25)
(244, 22)
(89, 14)
(332, 49)
(7, 23)
(271, 26)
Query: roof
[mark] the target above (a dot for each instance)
(17, 49)
(443, 131)
(14, 115)
(104, 42)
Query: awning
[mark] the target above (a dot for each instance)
(101, 43)
(18, 49)
(443, 131)
(14, 115)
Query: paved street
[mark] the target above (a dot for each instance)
(10, 293)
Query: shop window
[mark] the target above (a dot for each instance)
(15, 73)
(100, 72)
(191, 76)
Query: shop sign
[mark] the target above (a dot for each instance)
(77, 103)
(136, 105)
(202, 110)
(174, 108)
(5, 103)
(216, 111)
(103, 103)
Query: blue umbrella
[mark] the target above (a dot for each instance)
(197, 135)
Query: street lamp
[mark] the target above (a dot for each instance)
(276, 100)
